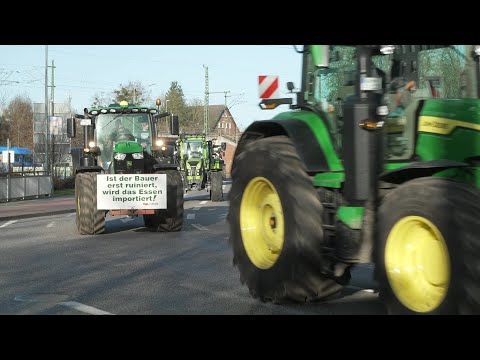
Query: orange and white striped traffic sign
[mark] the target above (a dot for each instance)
(268, 87)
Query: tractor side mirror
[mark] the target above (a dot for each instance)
(224, 146)
(71, 127)
(290, 86)
(174, 125)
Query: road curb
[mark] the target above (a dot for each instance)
(26, 216)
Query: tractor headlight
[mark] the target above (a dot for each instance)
(387, 49)
(159, 142)
(91, 144)
(137, 156)
(120, 156)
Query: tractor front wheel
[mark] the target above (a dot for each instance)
(171, 218)
(216, 186)
(88, 219)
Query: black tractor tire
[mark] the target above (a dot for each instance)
(216, 186)
(454, 208)
(171, 218)
(89, 220)
(299, 274)
(147, 220)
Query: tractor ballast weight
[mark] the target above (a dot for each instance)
(378, 161)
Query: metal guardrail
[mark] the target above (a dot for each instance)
(13, 187)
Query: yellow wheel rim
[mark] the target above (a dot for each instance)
(262, 223)
(417, 264)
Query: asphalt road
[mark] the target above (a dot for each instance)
(47, 268)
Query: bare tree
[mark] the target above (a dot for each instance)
(19, 115)
(134, 92)
(194, 120)
(102, 99)
(3, 102)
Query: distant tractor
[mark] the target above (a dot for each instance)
(377, 162)
(200, 165)
(122, 139)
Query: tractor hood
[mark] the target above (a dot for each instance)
(127, 147)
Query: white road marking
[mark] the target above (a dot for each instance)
(361, 289)
(203, 202)
(20, 298)
(84, 308)
(196, 208)
(199, 227)
(51, 224)
(190, 216)
(8, 223)
(71, 304)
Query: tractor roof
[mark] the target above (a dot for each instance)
(122, 107)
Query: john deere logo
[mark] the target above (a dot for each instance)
(129, 164)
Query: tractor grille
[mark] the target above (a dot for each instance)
(129, 165)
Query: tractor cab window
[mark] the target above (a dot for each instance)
(332, 86)
(416, 74)
(111, 128)
(193, 149)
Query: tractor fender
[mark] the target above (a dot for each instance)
(419, 169)
(299, 132)
(83, 169)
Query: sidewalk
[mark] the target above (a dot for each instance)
(57, 204)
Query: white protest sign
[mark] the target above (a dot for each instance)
(131, 191)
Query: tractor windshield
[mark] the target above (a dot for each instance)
(112, 128)
(193, 149)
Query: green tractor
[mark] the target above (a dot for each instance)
(201, 164)
(126, 169)
(378, 161)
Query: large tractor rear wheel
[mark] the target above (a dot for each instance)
(89, 220)
(216, 186)
(276, 227)
(428, 252)
(171, 218)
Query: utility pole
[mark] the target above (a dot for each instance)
(52, 159)
(205, 111)
(47, 130)
(226, 92)
(53, 88)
